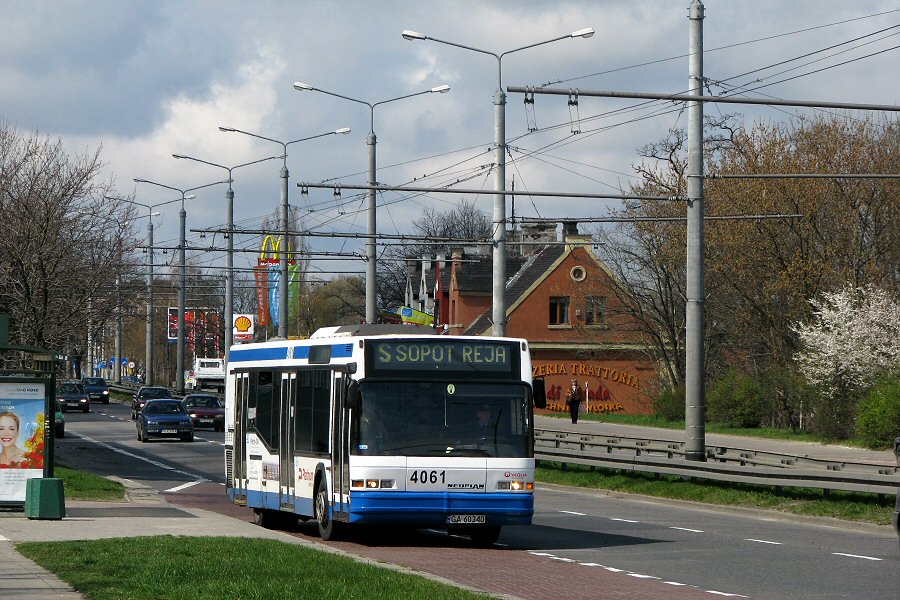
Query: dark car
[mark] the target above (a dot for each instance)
(70, 395)
(147, 392)
(59, 422)
(96, 389)
(164, 419)
(132, 380)
(205, 410)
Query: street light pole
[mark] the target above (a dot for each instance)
(498, 312)
(182, 278)
(371, 141)
(148, 344)
(229, 256)
(284, 225)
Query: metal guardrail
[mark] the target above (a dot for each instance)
(723, 463)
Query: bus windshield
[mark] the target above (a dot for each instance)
(443, 418)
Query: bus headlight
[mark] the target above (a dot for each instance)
(515, 486)
(372, 484)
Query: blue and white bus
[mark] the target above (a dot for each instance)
(383, 424)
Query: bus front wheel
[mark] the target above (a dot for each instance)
(324, 520)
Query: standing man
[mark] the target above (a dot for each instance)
(574, 398)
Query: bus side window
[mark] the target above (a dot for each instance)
(268, 398)
(303, 412)
(312, 410)
(321, 410)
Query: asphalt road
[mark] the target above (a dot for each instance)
(582, 544)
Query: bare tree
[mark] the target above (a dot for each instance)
(760, 273)
(463, 221)
(64, 247)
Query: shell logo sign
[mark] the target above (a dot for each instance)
(243, 329)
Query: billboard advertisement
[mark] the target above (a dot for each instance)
(22, 418)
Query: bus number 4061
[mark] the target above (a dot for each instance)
(424, 477)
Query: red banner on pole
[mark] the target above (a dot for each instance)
(261, 272)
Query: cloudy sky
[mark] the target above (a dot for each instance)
(144, 80)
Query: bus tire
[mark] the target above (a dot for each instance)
(324, 520)
(267, 519)
(484, 537)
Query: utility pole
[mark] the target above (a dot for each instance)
(695, 413)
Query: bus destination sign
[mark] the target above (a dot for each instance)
(460, 356)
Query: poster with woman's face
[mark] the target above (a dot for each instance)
(21, 437)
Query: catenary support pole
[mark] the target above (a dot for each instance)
(694, 423)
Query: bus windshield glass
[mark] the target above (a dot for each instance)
(443, 418)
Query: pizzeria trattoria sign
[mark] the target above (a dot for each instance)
(584, 370)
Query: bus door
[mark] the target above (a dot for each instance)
(286, 488)
(239, 436)
(340, 460)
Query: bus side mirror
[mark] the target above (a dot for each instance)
(539, 393)
(351, 401)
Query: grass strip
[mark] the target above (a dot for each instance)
(849, 506)
(213, 568)
(80, 485)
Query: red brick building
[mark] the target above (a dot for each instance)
(564, 301)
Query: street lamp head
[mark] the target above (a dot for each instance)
(583, 33)
(141, 180)
(300, 87)
(413, 35)
(179, 156)
(227, 129)
(441, 89)
(342, 130)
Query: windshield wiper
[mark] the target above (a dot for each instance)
(468, 450)
(433, 447)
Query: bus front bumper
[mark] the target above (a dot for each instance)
(438, 509)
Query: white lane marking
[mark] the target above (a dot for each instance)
(631, 573)
(686, 529)
(572, 512)
(623, 520)
(762, 541)
(143, 458)
(3, 538)
(210, 441)
(184, 486)
(856, 556)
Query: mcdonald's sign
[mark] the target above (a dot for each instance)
(270, 251)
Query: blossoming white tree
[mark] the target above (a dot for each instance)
(852, 339)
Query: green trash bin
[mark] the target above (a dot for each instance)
(44, 498)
